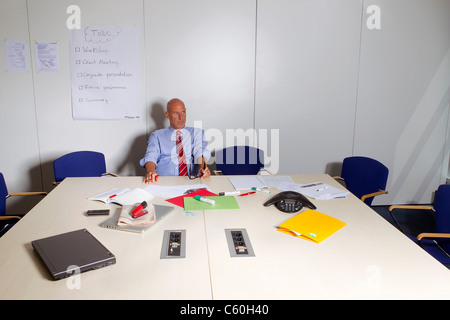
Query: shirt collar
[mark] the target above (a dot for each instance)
(173, 133)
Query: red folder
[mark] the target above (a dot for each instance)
(179, 200)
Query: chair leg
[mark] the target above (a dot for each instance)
(397, 225)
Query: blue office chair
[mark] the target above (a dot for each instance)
(239, 160)
(435, 243)
(80, 164)
(6, 222)
(364, 177)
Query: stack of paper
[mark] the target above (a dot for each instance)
(311, 225)
(173, 191)
(248, 182)
(125, 218)
(123, 196)
(316, 190)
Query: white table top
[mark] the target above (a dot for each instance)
(367, 259)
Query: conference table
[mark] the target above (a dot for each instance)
(367, 259)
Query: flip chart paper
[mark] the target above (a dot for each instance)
(105, 73)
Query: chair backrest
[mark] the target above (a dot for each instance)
(79, 164)
(442, 209)
(240, 160)
(364, 175)
(3, 195)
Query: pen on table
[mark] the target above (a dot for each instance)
(259, 189)
(246, 194)
(310, 185)
(199, 198)
(110, 197)
(230, 193)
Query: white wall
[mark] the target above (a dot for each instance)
(309, 70)
(203, 52)
(403, 96)
(19, 144)
(306, 79)
(58, 132)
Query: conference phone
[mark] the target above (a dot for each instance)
(289, 201)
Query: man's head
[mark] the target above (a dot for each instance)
(176, 113)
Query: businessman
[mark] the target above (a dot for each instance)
(177, 150)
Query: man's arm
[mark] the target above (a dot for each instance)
(150, 159)
(151, 175)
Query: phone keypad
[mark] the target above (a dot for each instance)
(289, 206)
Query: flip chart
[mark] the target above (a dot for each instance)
(105, 73)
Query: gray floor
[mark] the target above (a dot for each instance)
(412, 222)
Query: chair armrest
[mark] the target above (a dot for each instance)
(433, 235)
(111, 174)
(269, 173)
(410, 207)
(37, 193)
(373, 194)
(392, 208)
(105, 174)
(10, 217)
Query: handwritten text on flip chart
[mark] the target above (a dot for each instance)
(105, 73)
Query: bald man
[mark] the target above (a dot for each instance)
(162, 158)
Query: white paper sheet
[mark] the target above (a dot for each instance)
(173, 191)
(16, 55)
(246, 183)
(47, 57)
(315, 190)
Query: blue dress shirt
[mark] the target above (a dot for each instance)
(162, 150)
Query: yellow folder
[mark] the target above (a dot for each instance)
(311, 225)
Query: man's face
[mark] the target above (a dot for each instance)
(177, 115)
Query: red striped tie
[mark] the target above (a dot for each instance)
(182, 168)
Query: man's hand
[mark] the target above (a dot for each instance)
(150, 177)
(204, 173)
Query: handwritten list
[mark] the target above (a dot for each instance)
(105, 73)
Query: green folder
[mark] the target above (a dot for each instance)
(222, 202)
